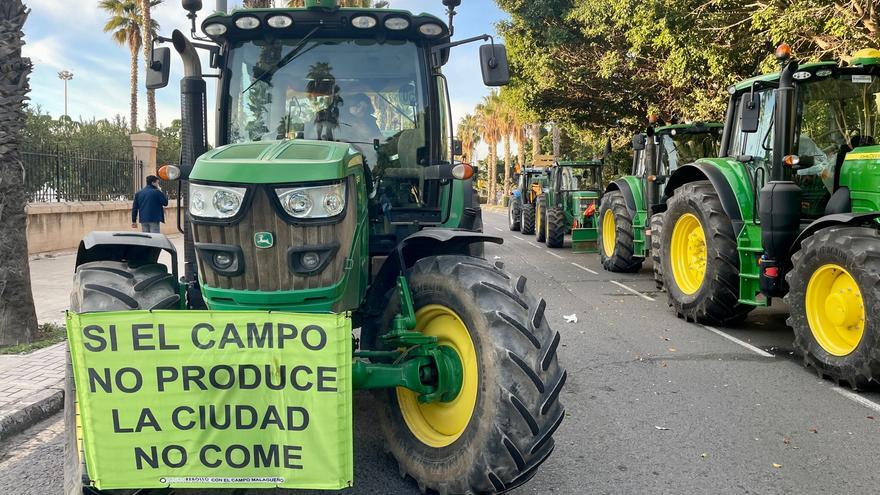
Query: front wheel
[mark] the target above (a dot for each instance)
(834, 301)
(541, 218)
(555, 227)
(656, 230)
(493, 436)
(513, 214)
(527, 224)
(616, 246)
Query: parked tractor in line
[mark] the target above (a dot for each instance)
(568, 205)
(301, 209)
(630, 219)
(530, 184)
(791, 210)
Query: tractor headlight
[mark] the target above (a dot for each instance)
(215, 201)
(313, 202)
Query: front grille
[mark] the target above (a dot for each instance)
(268, 269)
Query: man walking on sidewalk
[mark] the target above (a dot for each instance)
(149, 202)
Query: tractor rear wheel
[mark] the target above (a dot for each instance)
(700, 262)
(541, 218)
(656, 230)
(513, 214)
(493, 436)
(555, 227)
(102, 286)
(616, 245)
(834, 301)
(527, 224)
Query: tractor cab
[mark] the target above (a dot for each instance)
(531, 182)
(570, 203)
(676, 145)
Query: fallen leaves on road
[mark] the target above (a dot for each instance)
(573, 318)
(777, 466)
(786, 441)
(813, 430)
(672, 349)
(662, 428)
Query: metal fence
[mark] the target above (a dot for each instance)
(71, 175)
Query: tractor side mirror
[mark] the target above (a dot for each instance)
(493, 62)
(638, 142)
(749, 112)
(456, 147)
(158, 71)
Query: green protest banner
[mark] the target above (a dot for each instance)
(214, 399)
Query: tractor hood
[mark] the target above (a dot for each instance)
(584, 194)
(276, 162)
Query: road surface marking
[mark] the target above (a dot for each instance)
(857, 398)
(735, 340)
(630, 289)
(499, 230)
(554, 254)
(518, 237)
(585, 268)
(533, 244)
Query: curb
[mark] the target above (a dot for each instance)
(27, 412)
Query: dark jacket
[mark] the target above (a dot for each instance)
(149, 202)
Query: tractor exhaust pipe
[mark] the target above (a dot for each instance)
(652, 188)
(193, 143)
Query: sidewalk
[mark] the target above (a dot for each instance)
(32, 385)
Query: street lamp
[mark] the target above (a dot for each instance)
(65, 76)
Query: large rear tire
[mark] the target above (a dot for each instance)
(700, 262)
(499, 429)
(616, 246)
(527, 225)
(656, 232)
(102, 286)
(555, 227)
(514, 211)
(834, 301)
(541, 218)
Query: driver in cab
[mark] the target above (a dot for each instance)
(359, 125)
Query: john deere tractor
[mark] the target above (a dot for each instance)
(631, 207)
(569, 204)
(531, 182)
(331, 191)
(790, 209)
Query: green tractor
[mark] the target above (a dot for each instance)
(331, 191)
(530, 184)
(625, 235)
(569, 204)
(790, 209)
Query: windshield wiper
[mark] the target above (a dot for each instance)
(284, 60)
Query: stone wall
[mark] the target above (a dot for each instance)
(59, 226)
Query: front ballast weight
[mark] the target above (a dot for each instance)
(418, 362)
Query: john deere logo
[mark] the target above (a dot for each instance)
(264, 240)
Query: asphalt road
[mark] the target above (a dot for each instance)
(654, 404)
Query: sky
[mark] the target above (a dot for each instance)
(68, 35)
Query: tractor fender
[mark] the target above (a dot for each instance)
(830, 221)
(625, 187)
(137, 247)
(424, 243)
(712, 172)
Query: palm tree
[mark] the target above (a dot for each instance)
(487, 113)
(125, 28)
(506, 127)
(149, 28)
(376, 4)
(469, 135)
(535, 134)
(18, 319)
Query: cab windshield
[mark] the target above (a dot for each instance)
(684, 147)
(578, 178)
(356, 91)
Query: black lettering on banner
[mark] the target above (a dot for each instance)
(163, 344)
(291, 415)
(245, 454)
(193, 374)
(322, 338)
(240, 423)
(272, 418)
(152, 459)
(260, 339)
(204, 458)
(116, 427)
(293, 378)
(120, 383)
(181, 456)
(213, 416)
(94, 333)
(138, 334)
(264, 458)
(230, 334)
(292, 454)
(102, 379)
(195, 336)
(147, 419)
(165, 374)
(243, 382)
(176, 421)
(230, 376)
(285, 332)
(281, 378)
(99, 380)
(326, 374)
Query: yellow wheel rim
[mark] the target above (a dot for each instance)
(609, 234)
(538, 227)
(835, 309)
(687, 253)
(439, 424)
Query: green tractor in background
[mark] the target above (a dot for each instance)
(569, 204)
(632, 201)
(790, 209)
(308, 204)
(530, 183)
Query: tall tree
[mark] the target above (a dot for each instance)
(487, 113)
(124, 25)
(376, 4)
(507, 129)
(18, 319)
(149, 28)
(535, 135)
(469, 134)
